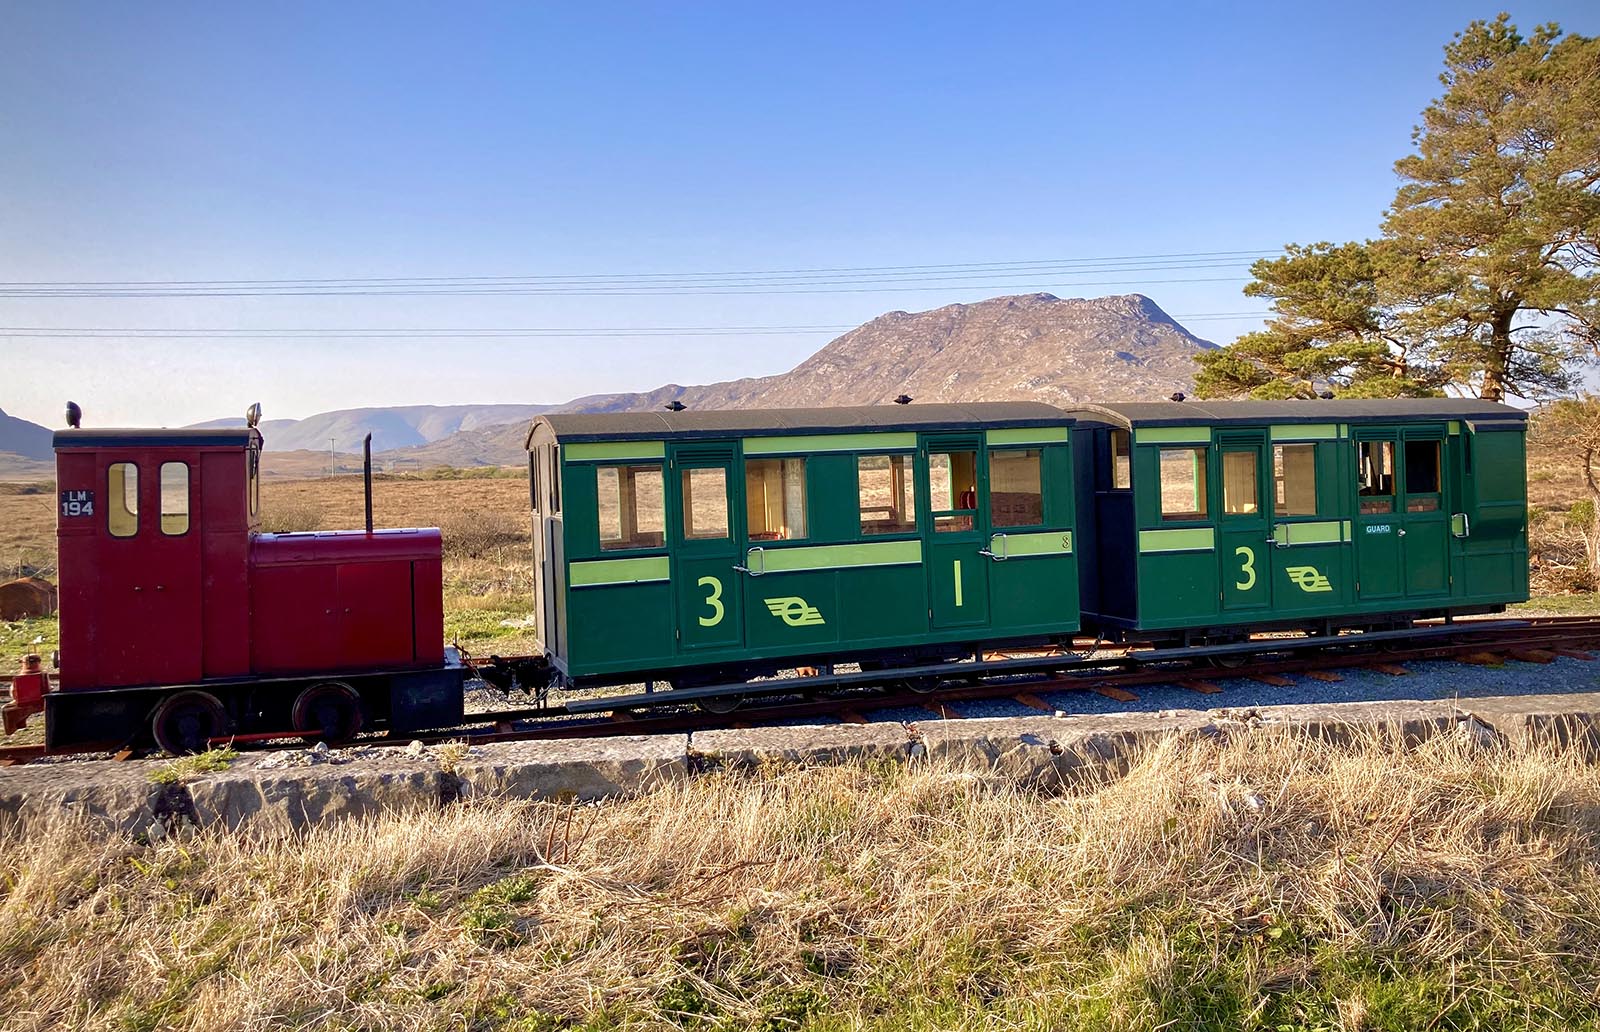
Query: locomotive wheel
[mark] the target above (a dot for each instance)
(330, 710)
(186, 722)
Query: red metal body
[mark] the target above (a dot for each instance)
(346, 600)
(219, 600)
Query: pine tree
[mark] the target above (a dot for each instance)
(1484, 279)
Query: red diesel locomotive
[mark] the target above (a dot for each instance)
(178, 615)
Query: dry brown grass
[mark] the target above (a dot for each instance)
(1270, 883)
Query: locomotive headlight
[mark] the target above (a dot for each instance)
(252, 415)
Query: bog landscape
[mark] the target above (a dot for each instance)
(1054, 645)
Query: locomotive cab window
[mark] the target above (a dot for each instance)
(174, 498)
(122, 499)
(253, 480)
(1375, 476)
(1183, 484)
(1294, 478)
(1016, 490)
(953, 489)
(775, 499)
(631, 507)
(1422, 476)
(705, 504)
(888, 494)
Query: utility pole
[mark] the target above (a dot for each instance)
(331, 468)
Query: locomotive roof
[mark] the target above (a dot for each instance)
(721, 423)
(1361, 410)
(144, 437)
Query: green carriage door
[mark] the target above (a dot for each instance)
(1244, 529)
(1424, 518)
(706, 549)
(1402, 526)
(958, 499)
(1377, 524)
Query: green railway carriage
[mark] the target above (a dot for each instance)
(1211, 518)
(699, 546)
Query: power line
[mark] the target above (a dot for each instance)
(465, 332)
(1033, 265)
(731, 290)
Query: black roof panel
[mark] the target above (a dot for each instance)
(778, 422)
(1338, 410)
(145, 437)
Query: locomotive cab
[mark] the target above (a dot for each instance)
(153, 532)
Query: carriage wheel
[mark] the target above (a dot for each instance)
(721, 705)
(331, 711)
(187, 721)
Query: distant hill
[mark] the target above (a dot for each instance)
(1034, 347)
(29, 440)
(397, 427)
(1031, 347)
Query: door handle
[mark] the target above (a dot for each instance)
(750, 557)
(999, 556)
(1401, 532)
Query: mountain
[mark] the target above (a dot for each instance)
(1034, 347)
(29, 440)
(391, 428)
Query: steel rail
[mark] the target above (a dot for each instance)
(850, 694)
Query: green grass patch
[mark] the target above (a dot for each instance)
(188, 768)
(1576, 604)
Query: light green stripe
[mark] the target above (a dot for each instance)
(1027, 435)
(615, 450)
(829, 557)
(1020, 546)
(1310, 533)
(829, 443)
(1344, 530)
(618, 571)
(1172, 435)
(1455, 426)
(1306, 432)
(1201, 538)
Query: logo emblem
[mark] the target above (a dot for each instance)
(1308, 578)
(795, 611)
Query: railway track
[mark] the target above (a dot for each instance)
(1022, 677)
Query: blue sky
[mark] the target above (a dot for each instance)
(186, 142)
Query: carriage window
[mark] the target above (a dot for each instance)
(1239, 483)
(1422, 475)
(1121, 463)
(1016, 493)
(631, 506)
(705, 504)
(122, 499)
(555, 480)
(775, 499)
(953, 489)
(888, 494)
(1183, 483)
(1375, 475)
(174, 498)
(1294, 477)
